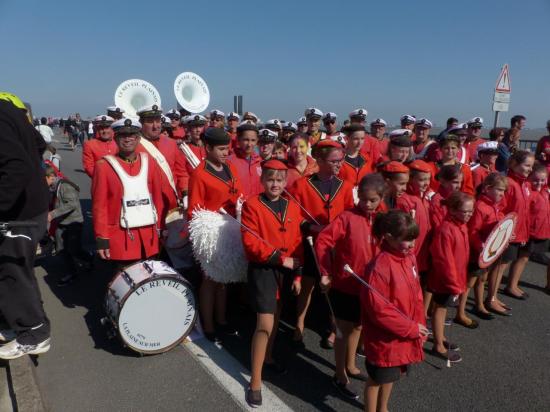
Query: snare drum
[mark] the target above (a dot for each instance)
(151, 306)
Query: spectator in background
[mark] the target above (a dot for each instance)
(45, 130)
(497, 135)
(518, 122)
(542, 151)
(451, 122)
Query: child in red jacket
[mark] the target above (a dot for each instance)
(397, 177)
(539, 210)
(487, 213)
(450, 180)
(273, 246)
(348, 240)
(450, 251)
(395, 322)
(516, 200)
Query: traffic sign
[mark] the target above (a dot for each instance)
(500, 107)
(502, 97)
(503, 82)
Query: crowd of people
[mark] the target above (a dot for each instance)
(321, 211)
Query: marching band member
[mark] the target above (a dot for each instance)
(300, 164)
(279, 151)
(289, 128)
(233, 120)
(302, 124)
(394, 322)
(214, 184)
(275, 125)
(433, 153)
(266, 143)
(178, 131)
(487, 213)
(450, 179)
(348, 240)
(324, 196)
(474, 138)
(313, 119)
(166, 129)
(377, 134)
(217, 119)
(356, 163)
(126, 195)
(407, 122)
(399, 147)
(487, 154)
(251, 116)
(397, 178)
(195, 127)
(358, 116)
(115, 112)
(450, 251)
(101, 145)
(279, 254)
(450, 146)
(169, 158)
(422, 141)
(245, 159)
(331, 127)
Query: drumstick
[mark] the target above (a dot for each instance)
(301, 207)
(338, 332)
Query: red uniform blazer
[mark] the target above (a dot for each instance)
(450, 250)
(281, 232)
(539, 211)
(199, 151)
(208, 191)
(471, 147)
(390, 339)
(178, 133)
(467, 180)
(249, 171)
(374, 148)
(347, 239)
(516, 199)
(107, 191)
(353, 175)
(323, 210)
(480, 173)
(420, 208)
(486, 215)
(94, 150)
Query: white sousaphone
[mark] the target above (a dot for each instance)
(191, 92)
(131, 95)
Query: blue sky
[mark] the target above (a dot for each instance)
(428, 58)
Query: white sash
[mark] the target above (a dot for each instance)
(161, 161)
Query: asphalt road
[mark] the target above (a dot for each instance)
(505, 367)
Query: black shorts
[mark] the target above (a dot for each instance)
(538, 245)
(310, 268)
(264, 287)
(442, 299)
(382, 375)
(512, 252)
(474, 270)
(346, 307)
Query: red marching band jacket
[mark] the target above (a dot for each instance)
(208, 191)
(480, 173)
(352, 174)
(516, 199)
(323, 209)
(347, 239)
(374, 148)
(391, 339)
(249, 171)
(486, 215)
(467, 180)
(450, 251)
(94, 150)
(539, 211)
(282, 232)
(107, 193)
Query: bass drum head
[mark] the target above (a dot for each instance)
(497, 241)
(157, 315)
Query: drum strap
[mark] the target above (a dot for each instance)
(161, 161)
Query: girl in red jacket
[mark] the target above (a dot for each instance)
(450, 250)
(348, 240)
(395, 325)
(356, 163)
(277, 221)
(487, 213)
(516, 200)
(397, 178)
(539, 209)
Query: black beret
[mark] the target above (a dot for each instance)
(215, 136)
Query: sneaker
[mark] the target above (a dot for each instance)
(451, 346)
(7, 335)
(254, 398)
(15, 350)
(344, 390)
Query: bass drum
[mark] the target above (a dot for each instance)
(151, 306)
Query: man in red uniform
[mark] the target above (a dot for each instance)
(422, 141)
(289, 128)
(474, 138)
(115, 112)
(217, 119)
(302, 124)
(359, 116)
(246, 160)
(178, 132)
(101, 145)
(407, 122)
(233, 120)
(487, 153)
(251, 116)
(377, 134)
(313, 120)
(126, 193)
(169, 158)
(331, 127)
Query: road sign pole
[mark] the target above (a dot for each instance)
(496, 119)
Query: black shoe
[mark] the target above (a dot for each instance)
(451, 346)
(254, 398)
(275, 368)
(227, 329)
(452, 356)
(344, 390)
(298, 344)
(66, 280)
(472, 325)
(357, 376)
(484, 315)
(212, 337)
(326, 344)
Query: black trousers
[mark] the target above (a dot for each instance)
(20, 300)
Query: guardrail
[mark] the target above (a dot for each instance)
(530, 145)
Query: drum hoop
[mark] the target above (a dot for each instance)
(127, 295)
(510, 216)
